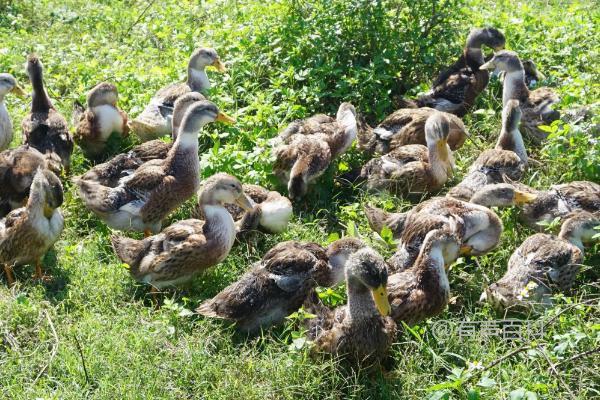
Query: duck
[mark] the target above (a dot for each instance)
(532, 74)
(456, 89)
(154, 121)
(146, 194)
(507, 159)
(543, 265)
(414, 168)
(536, 105)
(305, 149)
(279, 284)
(271, 212)
(186, 248)
(8, 84)
(360, 332)
(101, 120)
(478, 227)
(422, 291)
(407, 126)
(44, 128)
(18, 166)
(27, 233)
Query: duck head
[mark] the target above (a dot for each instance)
(8, 84)
(505, 60)
(579, 228)
(490, 37)
(103, 94)
(531, 69)
(223, 189)
(46, 191)
(201, 113)
(205, 57)
(437, 129)
(502, 195)
(368, 268)
(338, 253)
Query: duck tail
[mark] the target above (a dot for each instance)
(130, 251)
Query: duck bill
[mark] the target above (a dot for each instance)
(442, 148)
(380, 296)
(523, 197)
(18, 90)
(465, 250)
(224, 118)
(244, 202)
(48, 211)
(218, 64)
(488, 65)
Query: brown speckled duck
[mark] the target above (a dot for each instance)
(188, 247)
(18, 166)
(407, 126)
(456, 89)
(507, 159)
(154, 121)
(27, 233)
(143, 196)
(8, 84)
(535, 104)
(360, 331)
(304, 150)
(271, 212)
(45, 128)
(414, 168)
(544, 264)
(100, 120)
(422, 291)
(279, 284)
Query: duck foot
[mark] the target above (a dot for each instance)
(10, 277)
(154, 292)
(147, 233)
(39, 274)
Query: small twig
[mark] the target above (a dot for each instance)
(87, 377)
(54, 349)
(578, 356)
(139, 18)
(555, 372)
(504, 357)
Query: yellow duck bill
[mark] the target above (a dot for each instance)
(224, 118)
(380, 296)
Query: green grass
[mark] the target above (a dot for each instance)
(287, 60)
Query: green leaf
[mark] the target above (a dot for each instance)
(486, 382)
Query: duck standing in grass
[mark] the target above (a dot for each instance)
(407, 126)
(544, 264)
(8, 84)
(456, 89)
(414, 168)
(155, 120)
(143, 196)
(189, 247)
(27, 233)
(422, 291)
(100, 121)
(304, 150)
(45, 128)
(535, 104)
(361, 331)
(18, 166)
(279, 284)
(507, 159)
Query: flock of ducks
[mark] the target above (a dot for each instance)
(411, 155)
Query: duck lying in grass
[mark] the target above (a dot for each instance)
(360, 331)
(407, 126)
(279, 284)
(188, 247)
(422, 291)
(456, 89)
(271, 212)
(535, 104)
(414, 168)
(18, 166)
(154, 121)
(27, 233)
(148, 192)
(304, 150)
(100, 121)
(478, 227)
(507, 159)
(44, 128)
(544, 264)
(8, 84)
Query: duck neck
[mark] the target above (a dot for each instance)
(514, 86)
(360, 300)
(197, 79)
(474, 57)
(571, 235)
(439, 160)
(37, 200)
(184, 154)
(40, 102)
(219, 227)
(431, 268)
(348, 123)
(511, 139)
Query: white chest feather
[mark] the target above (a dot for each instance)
(49, 228)
(6, 132)
(222, 227)
(276, 215)
(109, 120)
